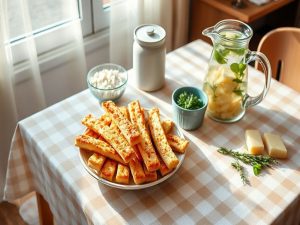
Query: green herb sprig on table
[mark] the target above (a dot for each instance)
(189, 101)
(258, 162)
(241, 171)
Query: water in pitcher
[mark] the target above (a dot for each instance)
(226, 80)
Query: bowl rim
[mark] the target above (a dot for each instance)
(103, 65)
(181, 89)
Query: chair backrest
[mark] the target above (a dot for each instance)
(282, 47)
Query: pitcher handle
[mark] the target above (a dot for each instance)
(264, 62)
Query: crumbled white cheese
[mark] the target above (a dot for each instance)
(108, 79)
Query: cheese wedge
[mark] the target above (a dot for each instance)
(178, 144)
(123, 174)
(129, 131)
(160, 140)
(96, 161)
(275, 146)
(109, 169)
(254, 142)
(146, 148)
(92, 144)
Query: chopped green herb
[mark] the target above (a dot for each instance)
(189, 101)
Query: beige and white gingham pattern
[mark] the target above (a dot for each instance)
(205, 190)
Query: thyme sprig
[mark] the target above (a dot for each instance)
(258, 162)
(241, 171)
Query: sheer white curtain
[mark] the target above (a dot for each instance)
(10, 63)
(125, 15)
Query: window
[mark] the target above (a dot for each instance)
(45, 15)
(49, 22)
(101, 14)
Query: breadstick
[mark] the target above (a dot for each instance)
(122, 175)
(96, 161)
(145, 147)
(160, 139)
(178, 144)
(129, 131)
(98, 146)
(108, 170)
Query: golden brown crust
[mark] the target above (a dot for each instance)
(91, 133)
(98, 146)
(123, 174)
(137, 171)
(178, 144)
(96, 161)
(160, 139)
(129, 131)
(111, 134)
(149, 176)
(108, 170)
(124, 111)
(167, 126)
(164, 170)
(95, 124)
(145, 147)
(137, 152)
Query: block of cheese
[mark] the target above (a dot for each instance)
(275, 146)
(254, 142)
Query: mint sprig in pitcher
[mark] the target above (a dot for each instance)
(226, 81)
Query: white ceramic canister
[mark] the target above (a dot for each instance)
(149, 53)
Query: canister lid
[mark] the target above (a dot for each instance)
(150, 35)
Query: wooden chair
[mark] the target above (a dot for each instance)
(282, 47)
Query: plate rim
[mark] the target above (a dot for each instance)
(136, 186)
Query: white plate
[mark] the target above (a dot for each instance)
(84, 156)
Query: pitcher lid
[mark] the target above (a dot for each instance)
(150, 35)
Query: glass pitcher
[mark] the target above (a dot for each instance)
(227, 75)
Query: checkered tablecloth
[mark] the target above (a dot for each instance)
(205, 190)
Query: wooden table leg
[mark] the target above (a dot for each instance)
(45, 214)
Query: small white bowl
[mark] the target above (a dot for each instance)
(107, 81)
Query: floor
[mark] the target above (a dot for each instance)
(9, 214)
